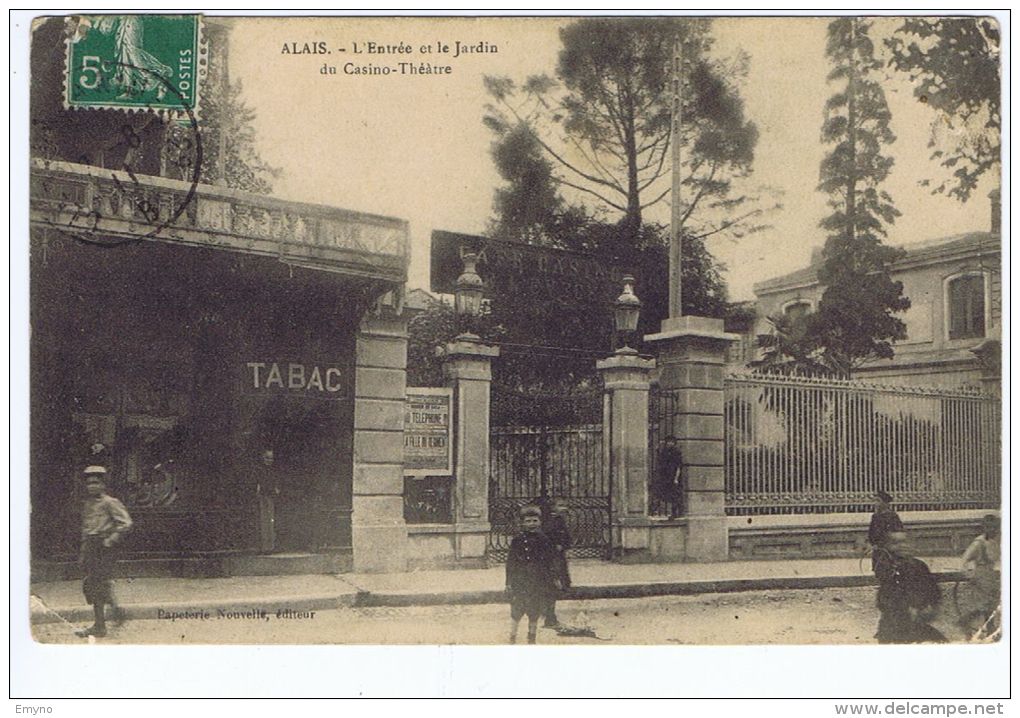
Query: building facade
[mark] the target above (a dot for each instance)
(954, 322)
(231, 364)
(235, 360)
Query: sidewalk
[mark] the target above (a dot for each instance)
(146, 598)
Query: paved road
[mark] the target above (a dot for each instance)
(819, 616)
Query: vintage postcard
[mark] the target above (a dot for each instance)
(573, 331)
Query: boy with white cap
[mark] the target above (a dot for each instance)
(104, 519)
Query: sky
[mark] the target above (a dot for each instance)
(414, 147)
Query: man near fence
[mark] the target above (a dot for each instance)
(104, 520)
(668, 486)
(884, 522)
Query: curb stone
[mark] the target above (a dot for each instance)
(361, 598)
(398, 599)
(149, 611)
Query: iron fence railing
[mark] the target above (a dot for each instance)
(802, 445)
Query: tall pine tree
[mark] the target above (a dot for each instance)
(855, 320)
(602, 124)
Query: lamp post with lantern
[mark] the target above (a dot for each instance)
(626, 312)
(626, 377)
(468, 371)
(468, 293)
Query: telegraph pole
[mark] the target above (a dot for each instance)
(675, 254)
(684, 345)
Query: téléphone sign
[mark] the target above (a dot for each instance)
(428, 431)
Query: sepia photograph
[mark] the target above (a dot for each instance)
(479, 331)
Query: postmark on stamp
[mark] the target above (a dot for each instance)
(135, 63)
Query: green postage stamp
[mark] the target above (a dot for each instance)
(134, 62)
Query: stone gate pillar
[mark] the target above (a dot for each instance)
(378, 530)
(692, 358)
(468, 370)
(625, 421)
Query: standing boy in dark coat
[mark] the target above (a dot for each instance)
(530, 573)
(103, 520)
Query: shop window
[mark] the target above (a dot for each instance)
(134, 422)
(966, 302)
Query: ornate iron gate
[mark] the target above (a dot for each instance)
(542, 464)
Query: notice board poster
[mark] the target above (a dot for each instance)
(428, 432)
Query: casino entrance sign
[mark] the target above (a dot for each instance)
(544, 273)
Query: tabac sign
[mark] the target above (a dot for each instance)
(297, 378)
(428, 432)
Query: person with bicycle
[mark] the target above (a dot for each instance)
(884, 521)
(982, 567)
(908, 596)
